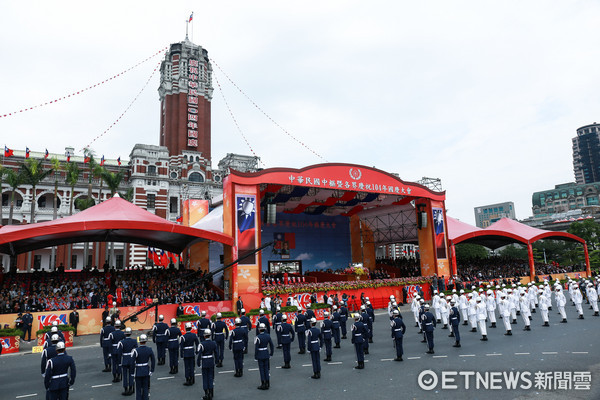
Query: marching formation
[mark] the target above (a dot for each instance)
(133, 362)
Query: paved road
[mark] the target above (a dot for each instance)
(561, 347)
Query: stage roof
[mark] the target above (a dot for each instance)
(115, 220)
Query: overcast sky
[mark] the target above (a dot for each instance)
(484, 95)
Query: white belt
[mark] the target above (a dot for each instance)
(141, 365)
(237, 341)
(206, 356)
(262, 348)
(105, 339)
(172, 340)
(59, 376)
(188, 347)
(396, 330)
(218, 333)
(327, 330)
(314, 341)
(287, 334)
(127, 354)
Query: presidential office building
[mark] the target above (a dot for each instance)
(160, 176)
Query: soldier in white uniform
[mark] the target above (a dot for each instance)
(593, 297)
(512, 302)
(464, 305)
(472, 312)
(544, 305)
(491, 308)
(481, 316)
(443, 306)
(454, 296)
(415, 307)
(548, 294)
(436, 306)
(578, 300)
(504, 308)
(561, 301)
(525, 312)
(533, 300)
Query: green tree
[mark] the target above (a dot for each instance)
(517, 251)
(14, 180)
(72, 176)
(33, 173)
(56, 167)
(3, 170)
(113, 180)
(468, 251)
(588, 230)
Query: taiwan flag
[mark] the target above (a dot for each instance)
(68, 157)
(119, 160)
(191, 17)
(46, 155)
(26, 152)
(102, 161)
(8, 152)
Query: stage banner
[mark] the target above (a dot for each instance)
(426, 243)
(441, 233)
(10, 344)
(193, 211)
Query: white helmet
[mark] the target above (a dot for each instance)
(54, 323)
(143, 338)
(188, 325)
(54, 329)
(173, 321)
(218, 315)
(207, 332)
(161, 317)
(55, 338)
(60, 346)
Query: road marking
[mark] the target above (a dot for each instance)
(579, 352)
(26, 395)
(307, 365)
(413, 358)
(440, 357)
(466, 355)
(522, 354)
(103, 385)
(366, 360)
(494, 354)
(226, 372)
(334, 363)
(165, 377)
(387, 359)
(197, 374)
(549, 352)
(252, 369)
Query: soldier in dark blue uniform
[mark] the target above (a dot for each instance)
(125, 349)
(105, 342)
(207, 349)
(159, 336)
(300, 328)
(220, 335)
(58, 369)
(263, 351)
(454, 317)
(237, 343)
(203, 324)
(343, 319)
(277, 320)
(326, 335)
(428, 322)
(315, 341)
(143, 362)
(28, 323)
(247, 325)
(309, 314)
(54, 330)
(398, 329)
(263, 319)
(188, 344)
(115, 337)
(173, 335)
(358, 337)
(286, 332)
(371, 313)
(335, 327)
(366, 319)
(49, 353)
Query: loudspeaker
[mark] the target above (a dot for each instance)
(271, 213)
(422, 220)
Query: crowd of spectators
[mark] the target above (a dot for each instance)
(402, 267)
(53, 291)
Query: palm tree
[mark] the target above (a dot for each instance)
(3, 170)
(14, 180)
(83, 204)
(33, 173)
(56, 167)
(71, 179)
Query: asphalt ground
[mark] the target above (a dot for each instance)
(553, 351)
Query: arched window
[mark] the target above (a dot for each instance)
(196, 177)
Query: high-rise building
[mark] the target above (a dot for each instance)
(185, 96)
(487, 215)
(586, 154)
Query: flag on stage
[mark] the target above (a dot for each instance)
(180, 219)
(26, 152)
(102, 160)
(86, 160)
(8, 152)
(46, 155)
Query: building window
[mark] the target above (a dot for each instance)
(152, 170)
(42, 202)
(173, 203)
(150, 201)
(196, 177)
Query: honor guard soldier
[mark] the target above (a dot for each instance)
(366, 319)
(220, 335)
(277, 319)
(525, 310)
(48, 336)
(359, 335)
(159, 336)
(543, 304)
(115, 337)
(326, 335)
(60, 374)
(247, 325)
(173, 335)
(105, 342)
(371, 313)
(207, 350)
(286, 332)
(73, 319)
(237, 343)
(578, 300)
(481, 316)
(28, 323)
(398, 329)
(343, 319)
(561, 301)
(263, 351)
(593, 298)
(491, 308)
(263, 319)
(203, 324)
(315, 341)
(188, 344)
(428, 322)
(49, 353)
(454, 319)
(335, 327)
(309, 314)
(300, 327)
(125, 349)
(143, 362)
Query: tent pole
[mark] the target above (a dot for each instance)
(531, 262)
(588, 269)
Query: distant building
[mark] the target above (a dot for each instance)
(586, 154)
(487, 215)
